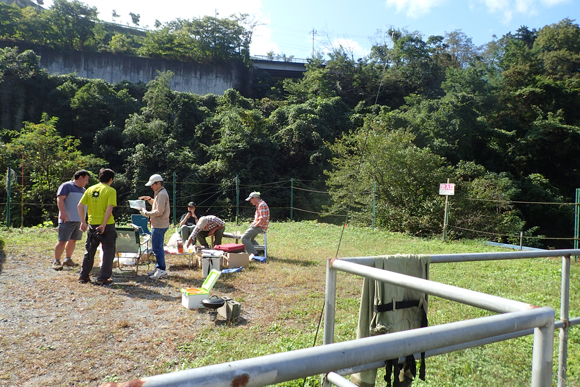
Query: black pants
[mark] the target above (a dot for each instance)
(107, 241)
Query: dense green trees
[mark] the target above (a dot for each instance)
(47, 160)
(21, 85)
(501, 122)
(72, 25)
(407, 178)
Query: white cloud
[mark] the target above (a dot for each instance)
(524, 7)
(349, 46)
(551, 3)
(261, 41)
(415, 8)
(507, 9)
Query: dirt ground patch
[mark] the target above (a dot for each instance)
(57, 332)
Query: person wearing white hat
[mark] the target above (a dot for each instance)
(159, 216)
(258, 226)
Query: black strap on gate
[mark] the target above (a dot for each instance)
(394, 363)
(398, 305)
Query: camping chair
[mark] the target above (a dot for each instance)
(263, 247)
(130, 246)
(141, 224)
(237, 236)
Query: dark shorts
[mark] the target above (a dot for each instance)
(69, 231)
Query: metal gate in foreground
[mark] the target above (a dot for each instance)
(334, 360)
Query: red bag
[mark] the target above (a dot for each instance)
(230, 247)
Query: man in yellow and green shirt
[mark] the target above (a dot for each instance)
(100, 226)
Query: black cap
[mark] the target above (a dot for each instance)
(191, 204)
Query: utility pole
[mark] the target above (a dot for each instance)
(313, 32)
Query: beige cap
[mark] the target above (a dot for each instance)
(153, 179)
(202, 222)
(253, 195)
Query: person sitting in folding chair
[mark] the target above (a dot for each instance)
(207, 226)
(187, 222)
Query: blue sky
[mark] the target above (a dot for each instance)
(285, 27)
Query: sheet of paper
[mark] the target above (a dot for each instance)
(137, 204)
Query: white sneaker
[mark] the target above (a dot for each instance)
(251, 256)
(151, 272)
(159, 274)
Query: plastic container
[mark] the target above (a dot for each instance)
(191, 297)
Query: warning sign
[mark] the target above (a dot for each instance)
(446, 189)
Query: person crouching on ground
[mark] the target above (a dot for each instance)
(100, 200)
(258, 226)
(159, 216)
(188, 222)
(207, 226)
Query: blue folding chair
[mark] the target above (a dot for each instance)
(141, 222)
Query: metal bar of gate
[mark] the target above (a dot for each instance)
(564, 317)
(473, 257)
(286, 366)
(449, 292)
(457, 347)
(565, 288)
(339, 381)
(543, 336)
(329, 304)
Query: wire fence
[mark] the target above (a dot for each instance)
(225, 200)
(293, 200)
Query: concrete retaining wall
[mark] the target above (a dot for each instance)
(188, 77)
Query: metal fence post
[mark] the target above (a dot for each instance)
(564, 317)
(237, 199)
(8, 194)
(174, 198)
(576, 220)
(329, 309)
(329, 303)
(374, 202)
(543, 353)
(291, 198)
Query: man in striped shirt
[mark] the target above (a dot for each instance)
(258, 226)
(207, 226)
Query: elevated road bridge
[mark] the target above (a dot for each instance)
(293, 68)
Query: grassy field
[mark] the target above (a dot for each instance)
(282, 303)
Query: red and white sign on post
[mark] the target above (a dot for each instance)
(446, 189)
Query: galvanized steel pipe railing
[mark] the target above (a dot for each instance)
(456, 347)
(564, 318)
(473, 257)
(286, 366)
(450, 292)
